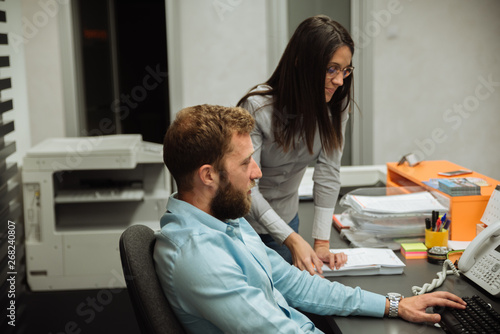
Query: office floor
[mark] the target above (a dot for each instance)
(90, 311)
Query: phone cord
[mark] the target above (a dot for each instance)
(437, 281)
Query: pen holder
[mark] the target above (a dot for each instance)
(436, 239)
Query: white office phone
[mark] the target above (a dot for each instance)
(480, 262)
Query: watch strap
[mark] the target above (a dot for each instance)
(394, 299)
(393, 308)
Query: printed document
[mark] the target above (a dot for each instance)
(367, 261)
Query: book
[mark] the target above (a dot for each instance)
(434, 183)
(366, 261)
(459, 186)
(416, 250)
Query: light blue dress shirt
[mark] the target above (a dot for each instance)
(220, 278)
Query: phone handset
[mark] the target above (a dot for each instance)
(474, 249)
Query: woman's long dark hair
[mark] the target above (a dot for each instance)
(298, 85)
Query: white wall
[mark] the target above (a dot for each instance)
(428, 57)
(432, 63)
(222, 51)
(43, 68)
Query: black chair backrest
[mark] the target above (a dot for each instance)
(153, 312)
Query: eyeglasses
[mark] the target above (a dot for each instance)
(333, 71)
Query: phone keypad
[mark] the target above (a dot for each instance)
(487, 269)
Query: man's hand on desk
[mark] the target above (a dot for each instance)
(413, 308)
(333, 261)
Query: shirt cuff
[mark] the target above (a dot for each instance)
(276, 226)
(322, 225)
(373, 304)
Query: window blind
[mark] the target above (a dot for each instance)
(12, 268)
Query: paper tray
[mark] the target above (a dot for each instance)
(388, 220)
(371, 229)
(422, 202)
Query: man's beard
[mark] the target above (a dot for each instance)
(230, 203)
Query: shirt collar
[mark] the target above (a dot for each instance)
(178, 207)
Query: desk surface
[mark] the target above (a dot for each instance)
(417, 272)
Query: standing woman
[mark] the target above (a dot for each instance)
(301, 114)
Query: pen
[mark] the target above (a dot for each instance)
(427, 223)
(438, 225)
(443, 219)
(433, 222)
(447, 224)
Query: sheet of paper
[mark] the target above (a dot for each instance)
(457, 245)
(492, 212)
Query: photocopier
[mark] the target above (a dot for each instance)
(79, 195)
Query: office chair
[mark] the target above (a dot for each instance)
(152, 310)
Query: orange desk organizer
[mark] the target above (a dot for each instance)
(465, 211)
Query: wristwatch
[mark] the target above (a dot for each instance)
(394, 299)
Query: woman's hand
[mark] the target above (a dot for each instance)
(303, 255)
(333, 261)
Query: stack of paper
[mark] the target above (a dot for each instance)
(366, 261)
(416, 250)
(407, 203)
(379, 217)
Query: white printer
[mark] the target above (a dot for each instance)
(79, 196)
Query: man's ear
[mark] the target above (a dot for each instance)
(207, 175)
